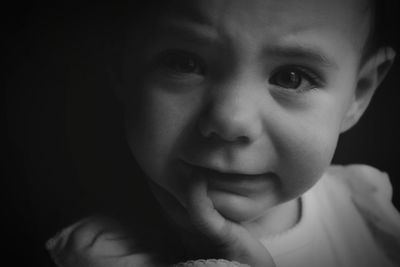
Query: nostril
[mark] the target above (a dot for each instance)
(206, 131)
(230, 122)
(243, 139)
(230, 129)
(226, 137)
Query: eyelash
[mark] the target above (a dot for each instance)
(314, 79)
(172, 64)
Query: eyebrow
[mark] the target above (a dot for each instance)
(301, 52)
(189, 31)
(196, 33)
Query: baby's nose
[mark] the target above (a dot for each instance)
(232, 116)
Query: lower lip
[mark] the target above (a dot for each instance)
(241, 184)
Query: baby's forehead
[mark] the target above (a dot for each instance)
(214, 9)
(350, 17)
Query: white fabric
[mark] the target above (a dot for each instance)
(347, 220)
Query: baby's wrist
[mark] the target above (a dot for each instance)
(210, 263)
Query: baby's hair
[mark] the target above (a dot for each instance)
(139, 15)
(383, 27)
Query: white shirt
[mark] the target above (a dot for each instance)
(347, 220)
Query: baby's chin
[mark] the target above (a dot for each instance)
(238, 208)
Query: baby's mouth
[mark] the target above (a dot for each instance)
(232, 182)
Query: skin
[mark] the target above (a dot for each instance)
(234, 113)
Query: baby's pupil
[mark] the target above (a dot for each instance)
(289, 79)
(183, 63)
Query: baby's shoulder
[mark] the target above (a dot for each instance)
(356, 193)
(360, 181)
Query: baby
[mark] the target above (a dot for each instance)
(233, 110)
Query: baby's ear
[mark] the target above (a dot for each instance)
(370, 75)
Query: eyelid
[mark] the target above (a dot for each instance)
(159, 70)
(315, 78)
(161, 60)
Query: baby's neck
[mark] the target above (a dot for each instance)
(277, 220)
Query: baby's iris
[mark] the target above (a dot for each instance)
(182, 62)
(294, 77)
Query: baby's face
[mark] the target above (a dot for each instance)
(249, 96)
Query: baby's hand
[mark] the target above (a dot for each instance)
(230, 239)
(99, 242)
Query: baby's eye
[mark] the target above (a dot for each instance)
(181, 62)
(295, 78)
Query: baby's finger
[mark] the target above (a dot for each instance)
(99, 242)
(233, 240)
(205, 217)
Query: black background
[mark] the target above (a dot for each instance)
(63, 138)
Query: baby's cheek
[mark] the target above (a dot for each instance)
(305, 160)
